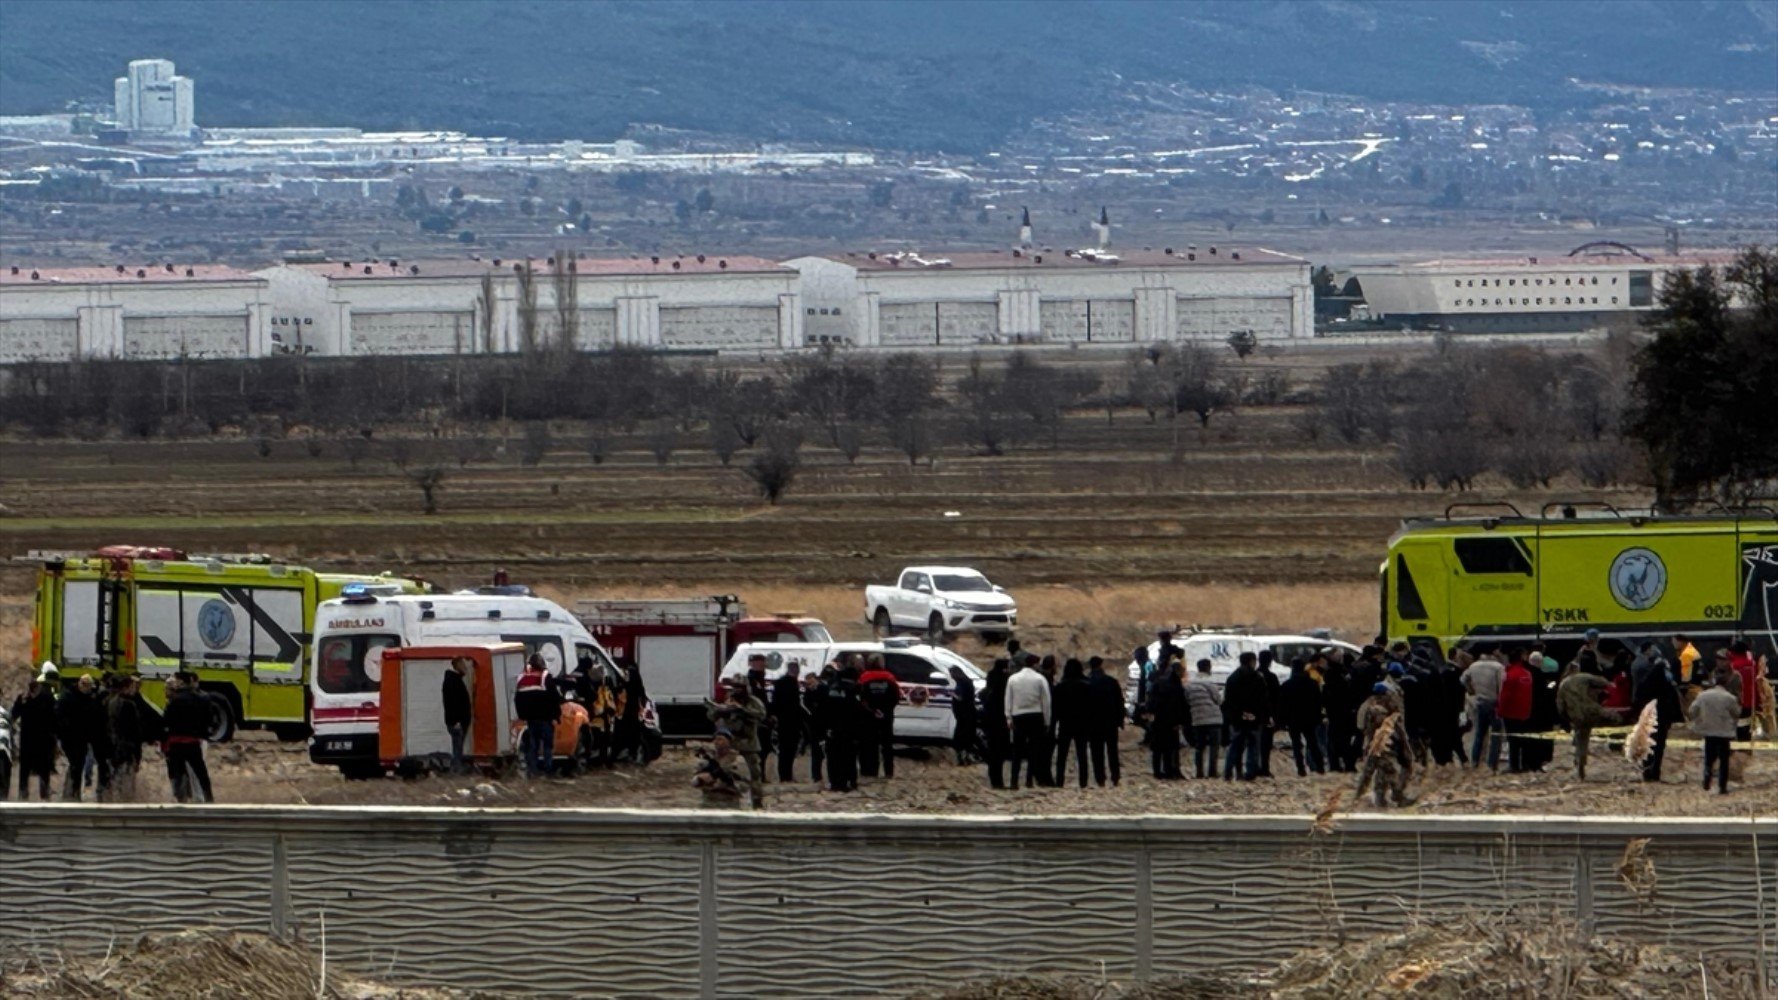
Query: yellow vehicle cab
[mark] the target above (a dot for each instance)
(1508, 577)
(242, 623)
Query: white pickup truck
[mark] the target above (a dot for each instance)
(940, 600)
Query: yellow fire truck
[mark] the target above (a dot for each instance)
(1505, 576)
(242, 623)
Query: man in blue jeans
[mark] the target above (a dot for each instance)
(1481, 682)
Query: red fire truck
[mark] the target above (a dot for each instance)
(681, 645)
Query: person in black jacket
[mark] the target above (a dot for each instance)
(1244, 706)
(1105, 718)
(1299, 708)
(787, 709)
(1652, 681)
(187, 719)
(457, 710)
(993, 721)
(814, 722)
(963, 715)
(1167, 710)
(1269, 724)
(1070, 710)
(34, 735)
(80, 723)
(125, 733)
(841, 716)
(629, 724)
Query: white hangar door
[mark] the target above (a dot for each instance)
(719, 327)
(185, 336)
(907, 324)
(968, 322)
(1098, 321)
(38, 340)
(413, 332)
(1216, 318)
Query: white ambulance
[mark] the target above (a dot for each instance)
(352, 631)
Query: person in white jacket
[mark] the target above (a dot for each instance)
(1028, 712)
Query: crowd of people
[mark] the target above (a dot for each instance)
(612, 703)
(1382, 714)
(100, 726)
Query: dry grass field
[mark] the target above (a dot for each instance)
(1123, 525)
(1104, 537)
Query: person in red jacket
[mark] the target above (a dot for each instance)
(1515, 709)
(1618, 695)
(1741, 662)
(880, 693)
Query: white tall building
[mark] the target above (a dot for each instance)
(153, 100)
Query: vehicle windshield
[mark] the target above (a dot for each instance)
(352, 664)
(816, 633)
(956, 582)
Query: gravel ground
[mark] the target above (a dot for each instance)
(258, 769)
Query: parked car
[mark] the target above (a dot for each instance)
(923, 671)
(1224, 648)
(940, 601)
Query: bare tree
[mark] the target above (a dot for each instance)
(984, 413)
(663, 439)
(429, 480)
(486, 302)
(598, 440)
(536, 443)
(567, 289)
(773, 468)
(527, 307)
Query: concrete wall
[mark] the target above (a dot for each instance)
(727, 904)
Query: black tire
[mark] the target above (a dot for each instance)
(5, 777)
(222, 717)
(935, 629)
(361, 772)
(881, 625)
(651, 745)
(290, 732)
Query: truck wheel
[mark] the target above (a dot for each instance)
(880, 622)
(651, 745)
(222, 717)
(361, 772)
(935, 629)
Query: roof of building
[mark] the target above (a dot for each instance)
(123, 274)
(1544, 262)
(367, 270)
(1190, 255)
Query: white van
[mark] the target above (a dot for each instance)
(924, 673)
(351, 633)
(1224, 649)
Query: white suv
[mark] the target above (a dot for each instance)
(1224, 649)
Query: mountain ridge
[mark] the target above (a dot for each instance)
(914, 75)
